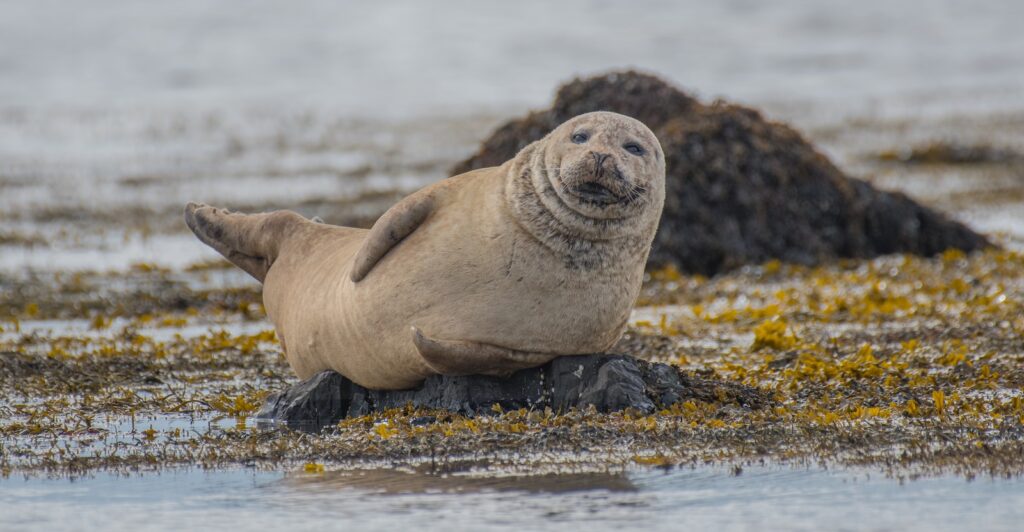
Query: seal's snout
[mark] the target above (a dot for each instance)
(190, 215)
(599, 159)
(603, 164)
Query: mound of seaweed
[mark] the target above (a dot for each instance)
(741, 189)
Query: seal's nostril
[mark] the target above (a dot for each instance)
(599, 158)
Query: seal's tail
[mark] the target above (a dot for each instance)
(249, 241)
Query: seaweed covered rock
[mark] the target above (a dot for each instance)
(607, 382)
(741, 189)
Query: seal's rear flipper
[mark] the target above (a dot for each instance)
(249, 241)
(473, 358)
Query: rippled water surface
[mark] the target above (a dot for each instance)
(702, 498)
(113, 114)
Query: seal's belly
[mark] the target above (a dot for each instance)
(497, 288)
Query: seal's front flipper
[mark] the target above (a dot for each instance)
(249, 241)
(449, 357)
(397, 223)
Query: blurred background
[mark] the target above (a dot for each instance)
(115, 113)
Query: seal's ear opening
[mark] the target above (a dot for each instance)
(455, 358)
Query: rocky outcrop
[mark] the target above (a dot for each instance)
(607, 382)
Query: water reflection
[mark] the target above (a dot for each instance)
(420, 480)
(479, 498)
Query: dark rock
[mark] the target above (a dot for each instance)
(311, 404)
(741, 189)
(609, 383)
(464, 395)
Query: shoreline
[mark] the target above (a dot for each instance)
(903, 365)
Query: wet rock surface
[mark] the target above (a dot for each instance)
(741, 189)
(609, 383)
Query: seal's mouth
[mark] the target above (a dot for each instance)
(596, 193)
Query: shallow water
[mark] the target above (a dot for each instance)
(409, 58)
(701, 498)
(112, 116)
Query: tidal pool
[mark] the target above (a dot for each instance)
(700, 498)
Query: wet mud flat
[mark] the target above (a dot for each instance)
(904, 365)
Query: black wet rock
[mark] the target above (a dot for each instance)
(741, 189)
(609, 383)
(311, 404)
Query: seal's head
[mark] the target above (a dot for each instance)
(605, 165)
(592, 189)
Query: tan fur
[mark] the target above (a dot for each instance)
(487, 272)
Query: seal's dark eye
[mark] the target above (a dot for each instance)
(634, 148)
(580, 138)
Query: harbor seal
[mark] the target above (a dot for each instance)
(487, 272)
